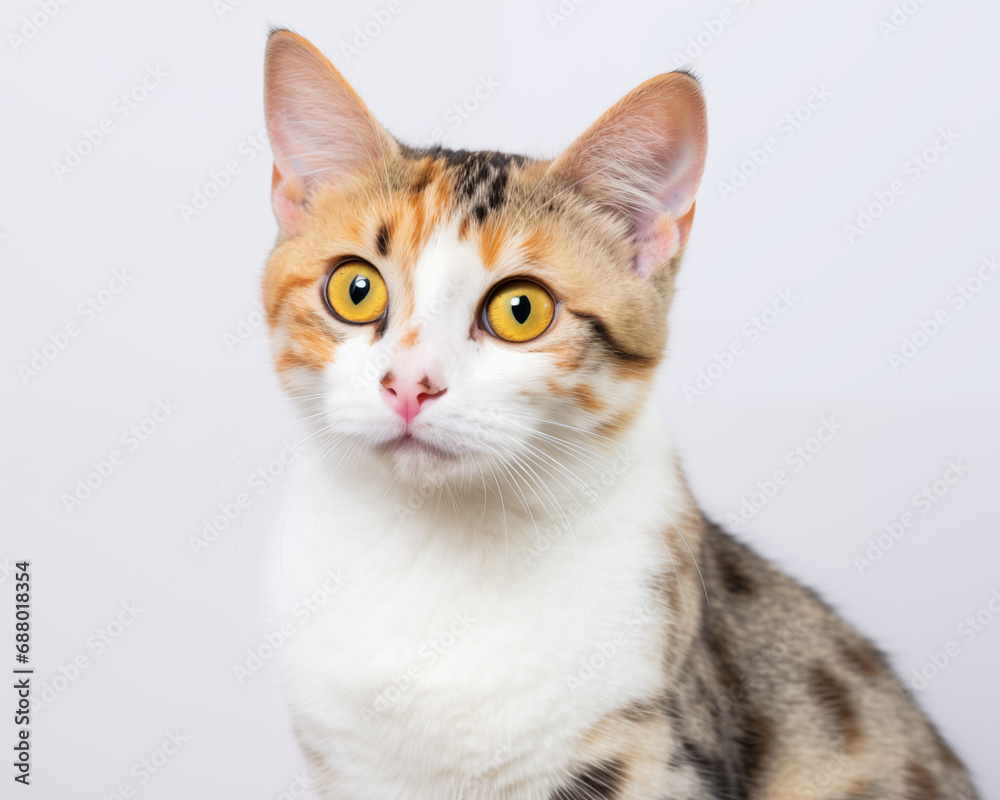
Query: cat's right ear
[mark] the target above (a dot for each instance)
(644, 160)
(320, 130)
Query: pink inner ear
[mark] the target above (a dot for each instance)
(656, 241)
(287, 200)
(289, 213)
(644, 158)
(320, 130)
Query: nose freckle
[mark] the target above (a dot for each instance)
(425, 396)
(408, 397)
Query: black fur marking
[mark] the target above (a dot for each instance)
(714, 772)
(496, 193)
(481, 176)
(672, 707)
(755, 742)
(422, 182)
(474, 172)
(601, 333)
(483, 179)
(733, 576)
(689, 73)
(459, 158)
(598, 782)
(382, 240)
(863, 656)
(718, 648)
(920, 783)
(834, 698)
(455, 158)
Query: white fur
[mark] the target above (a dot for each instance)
(464, 561)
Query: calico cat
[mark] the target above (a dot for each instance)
(513, 594)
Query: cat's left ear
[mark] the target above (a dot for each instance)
(644, 159)
(320, 130)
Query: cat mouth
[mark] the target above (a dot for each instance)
(408, 443)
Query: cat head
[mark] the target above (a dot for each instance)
(438, 306)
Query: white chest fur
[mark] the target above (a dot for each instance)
(455, 657)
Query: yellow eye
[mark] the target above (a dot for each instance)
(356, 292)
(519, 310)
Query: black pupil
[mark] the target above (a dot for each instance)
(520, 307)
(360, 287)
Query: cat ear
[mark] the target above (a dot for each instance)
(319, 129)
(644, 159)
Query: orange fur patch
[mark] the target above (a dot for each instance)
(409, 339)
(492, 241)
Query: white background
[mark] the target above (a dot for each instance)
(193, 280)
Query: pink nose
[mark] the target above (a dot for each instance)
(408, 397)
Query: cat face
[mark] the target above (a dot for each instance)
(453, 308)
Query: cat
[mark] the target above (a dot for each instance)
(513, 594)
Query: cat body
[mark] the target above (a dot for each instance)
(438, 669)
(513, 594)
